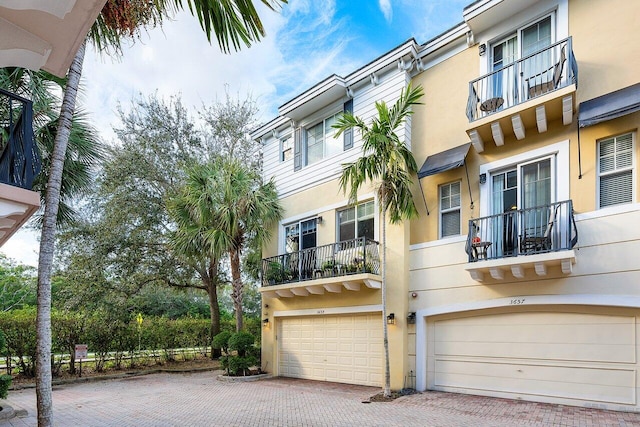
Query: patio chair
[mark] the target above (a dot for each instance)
(537, 89)
(530, 242)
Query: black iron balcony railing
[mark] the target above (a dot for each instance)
(542, 229)
(535, 75)
(19, 157)
(334, 260)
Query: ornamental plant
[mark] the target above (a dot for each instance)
(5, 380)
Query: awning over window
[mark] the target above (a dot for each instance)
(610, 106)
(444, 161)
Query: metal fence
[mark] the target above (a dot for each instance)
(19, 157)
(535, 75)
(337, 259)
(540, 229)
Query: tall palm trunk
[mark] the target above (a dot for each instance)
(211, 283)
(385, 331)
(47, 244)
(236, 293)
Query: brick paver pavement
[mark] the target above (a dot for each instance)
(198, 399)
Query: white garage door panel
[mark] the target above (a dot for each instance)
(550, 336)
(340, 348)
(604, 385)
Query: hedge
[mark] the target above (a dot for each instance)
(105, 334)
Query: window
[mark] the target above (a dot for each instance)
(357, 221)
(615, 170)
(450, 209)
(506, 81)
(320, 141)
(300, 235)
(286, 149)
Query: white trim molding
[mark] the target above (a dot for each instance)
(324, 311)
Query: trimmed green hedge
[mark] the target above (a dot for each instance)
(104, 333)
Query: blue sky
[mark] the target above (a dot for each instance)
(306, 42)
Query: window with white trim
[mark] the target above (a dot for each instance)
(286, 149)
(450, 209)
(320, 142)
(615, 170)
(356, 221)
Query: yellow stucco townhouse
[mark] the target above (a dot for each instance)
(520, 278)
(525, 275)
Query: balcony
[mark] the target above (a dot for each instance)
(526, 94)
(19, 164)
(330, 268)
(535, 238)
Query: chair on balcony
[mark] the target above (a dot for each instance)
(537, 87)
(530, 242)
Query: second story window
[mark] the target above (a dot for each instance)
(450, 209)
(356, 221)
(615, 170)
(320, 141)
(286, 149)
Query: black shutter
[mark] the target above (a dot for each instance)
(348, 134)
(297, 149)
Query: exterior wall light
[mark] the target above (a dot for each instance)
(265, 323)
(411, 318)
(482, 48)
(483, 178)
(391, 319)
(319, 220)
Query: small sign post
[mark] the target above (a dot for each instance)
(81, 353)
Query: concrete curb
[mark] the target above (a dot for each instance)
(115, 376)
(249, 378)
(6, 411)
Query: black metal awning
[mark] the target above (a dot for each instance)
(610, 106)
(444, 161)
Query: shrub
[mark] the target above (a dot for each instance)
(221, 341)
(242, 343)
(5, 380)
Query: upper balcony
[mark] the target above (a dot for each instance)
(513, 241)
(344, 265)
(19, 164)
(527, 93)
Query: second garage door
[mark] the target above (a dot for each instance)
(339, 348)
(586, 357)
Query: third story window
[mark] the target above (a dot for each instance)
(320, 142)
(286, 151)
(615, 170)
(450, 209)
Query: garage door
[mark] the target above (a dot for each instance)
(586, 357)
(344, 348)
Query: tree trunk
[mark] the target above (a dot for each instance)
(237, 288)
(385, 334)
(47, 243)
(214, 308)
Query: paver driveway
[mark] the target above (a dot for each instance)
(197, 399)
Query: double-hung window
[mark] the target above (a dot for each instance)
(356, 221)
(615, 170)
(320, 141)
(286, 149)
(450, 209)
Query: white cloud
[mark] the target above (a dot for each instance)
(385, 7)
(23, 247)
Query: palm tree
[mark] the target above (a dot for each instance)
(245, 209)
(388, 164)
(233, 22)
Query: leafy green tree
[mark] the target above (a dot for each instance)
(388, 164)
(5, 380)
(17, 285)
(222, 205)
